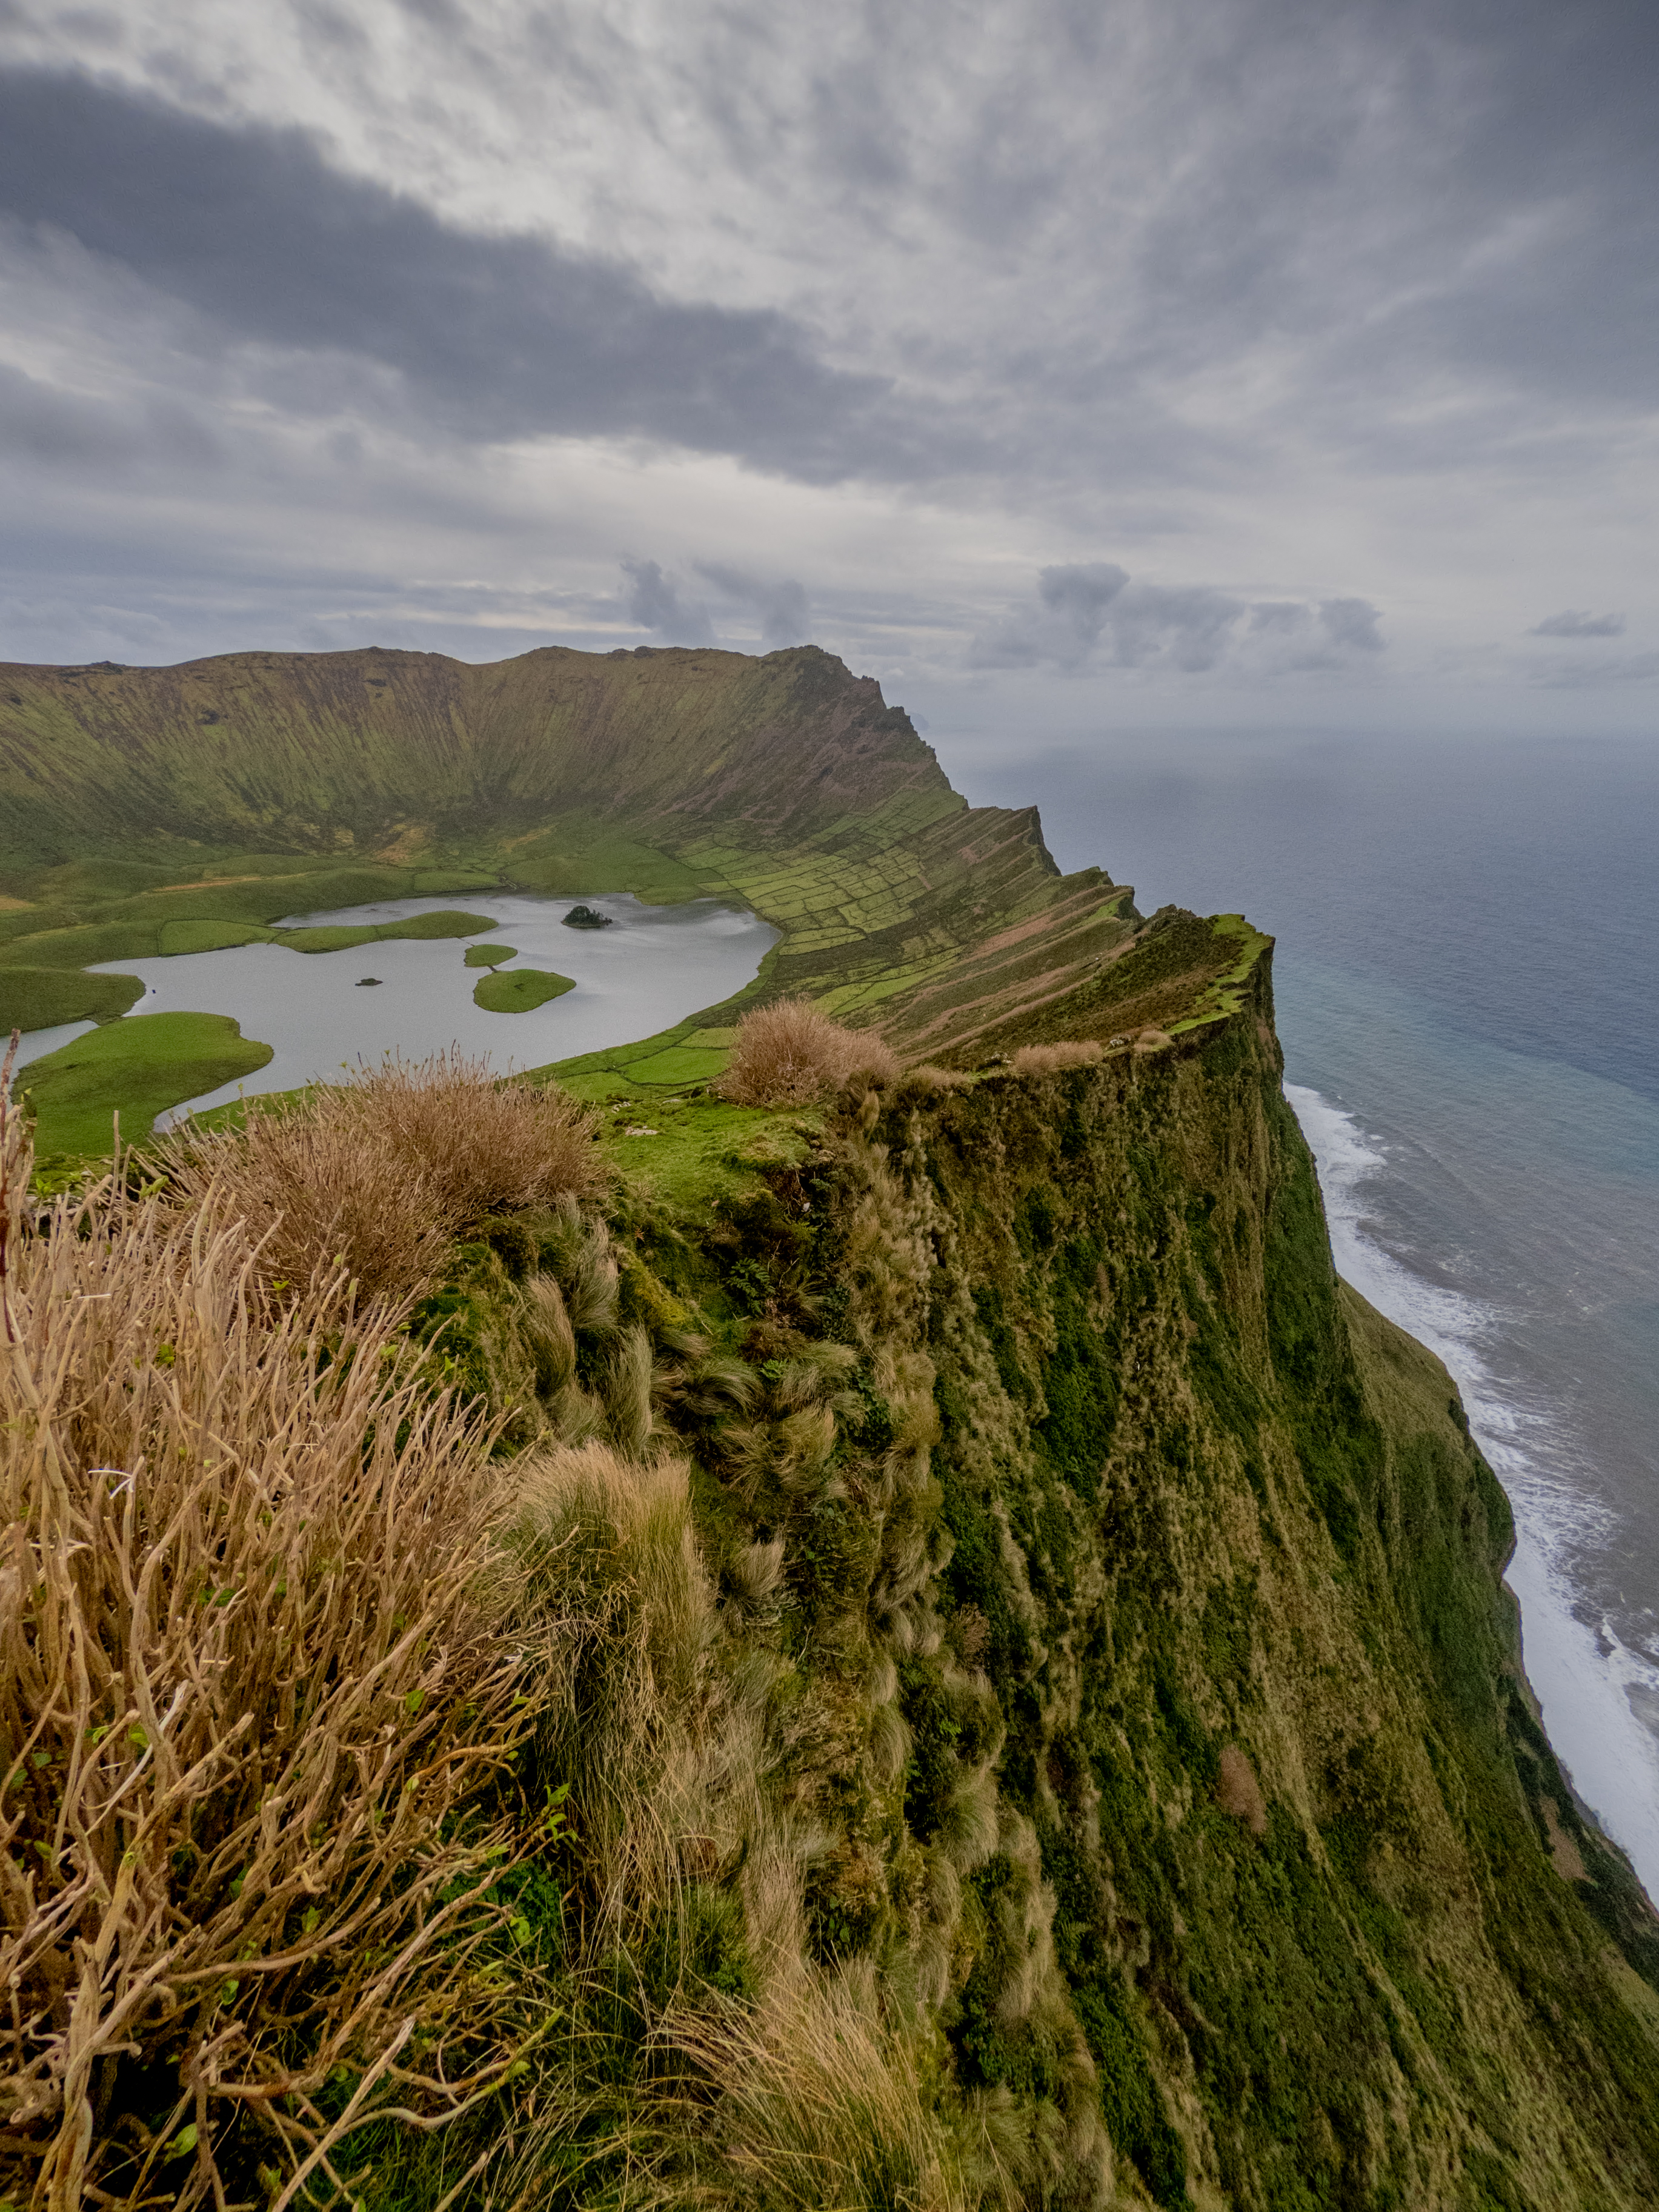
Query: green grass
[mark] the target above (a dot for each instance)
(206, 936)
(519, 990)
(327, 937)
(679, 1063)
(340, 936)
(448, 921)
(138, 1068)
(40, 997)
(88, 944)
(699, 1150)
(489, 956)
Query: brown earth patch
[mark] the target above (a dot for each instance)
(1564, 1852)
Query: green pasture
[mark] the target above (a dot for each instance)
(41, 998)
(138, 1068)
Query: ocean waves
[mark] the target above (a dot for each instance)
(1599, 1693)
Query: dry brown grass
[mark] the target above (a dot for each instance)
(376, 1175)
(1238, 1792)
(821, 2102)
(791, 1052)
(251, 1681)
(1045, 1058)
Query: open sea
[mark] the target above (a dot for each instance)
(1468, 1001)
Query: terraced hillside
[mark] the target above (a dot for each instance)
(147, 811)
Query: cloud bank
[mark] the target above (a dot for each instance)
(1573, 623)
(1093, 614)
(324, 324)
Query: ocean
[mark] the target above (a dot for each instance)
(1465, 991)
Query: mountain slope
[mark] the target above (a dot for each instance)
(233, 792)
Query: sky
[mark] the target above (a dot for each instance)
(1254, 363)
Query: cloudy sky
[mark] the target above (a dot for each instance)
(1199, 362)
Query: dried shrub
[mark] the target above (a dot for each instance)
(1045, 1058)
(481, 1144)
(253, 1693)
(377, 1174)
(1238, 1792)
(316, 1199)
(791, 1052)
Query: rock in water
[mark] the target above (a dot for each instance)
(366, 983)
(584, 917)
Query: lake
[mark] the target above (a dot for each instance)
(652, 968)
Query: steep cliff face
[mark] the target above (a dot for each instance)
(1041, 1718)
(1225, 1847)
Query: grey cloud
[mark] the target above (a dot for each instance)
(1093, 614)
(781, 603)
(1570, 622)
(655, 603)
(495, 338)
(1352, 625)
(1592, 675)
(42, 424)
(1081, 594)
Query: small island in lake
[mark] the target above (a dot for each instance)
(584, 917)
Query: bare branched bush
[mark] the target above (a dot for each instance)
(377, 1174)
(1045, 1058)
(252, 1694)
(791, 1052)
(317, 1199)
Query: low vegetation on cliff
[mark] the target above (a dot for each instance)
(833, 1609)
(965, 1672)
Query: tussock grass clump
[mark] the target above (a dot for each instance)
(378, 1174)
(791, 1052)
(252, 1695)
(1046, 1059)
(610, 1565)
(821, 2102)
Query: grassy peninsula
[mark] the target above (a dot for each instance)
(864, 1623)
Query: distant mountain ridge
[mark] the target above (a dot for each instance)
(318, 751)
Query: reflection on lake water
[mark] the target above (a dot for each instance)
(652, 968)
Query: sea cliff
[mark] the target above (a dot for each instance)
(1013, 1697)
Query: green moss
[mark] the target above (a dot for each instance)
(138, 1068)
(519, 990)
